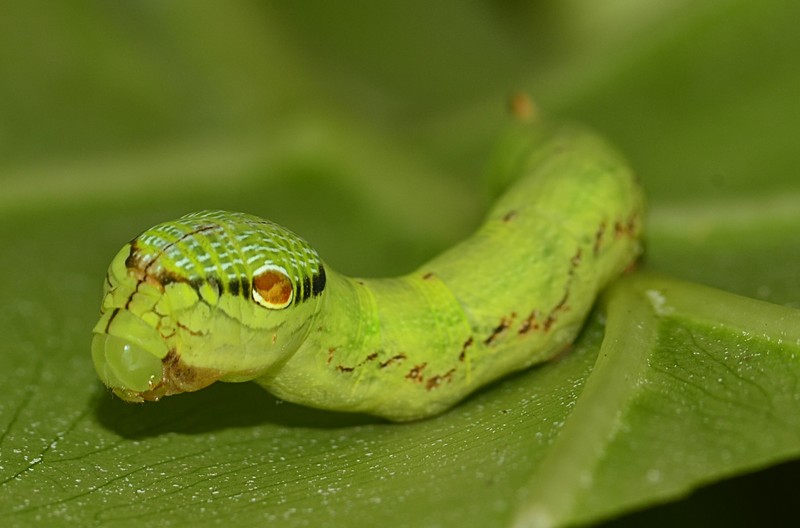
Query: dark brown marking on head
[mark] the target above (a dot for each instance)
(196, 333)
(394, 359)
(180, 374)
(342, 368)
(161, 279)
(111, 318)
(201, 229)
(168, 277)
(415, 374)
(468, 343)
(196, 284)
(438, 380)
(129, 300)
(331, 350)
(133, 260)
(177, 377)
(428, 275)
(142, 268)
(141, 278)
(160, 328)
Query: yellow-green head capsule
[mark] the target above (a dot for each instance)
(212, 296)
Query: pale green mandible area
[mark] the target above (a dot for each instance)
(224, 296)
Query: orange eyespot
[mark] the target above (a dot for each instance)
(272, 289)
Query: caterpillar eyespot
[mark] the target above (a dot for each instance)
(272, 288)
(184, 303)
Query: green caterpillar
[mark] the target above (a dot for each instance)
(223, 296)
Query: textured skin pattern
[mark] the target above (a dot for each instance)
(229, 248)
(205, 294)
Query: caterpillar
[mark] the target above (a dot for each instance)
(227, 296)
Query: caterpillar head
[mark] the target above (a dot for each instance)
(212, 296)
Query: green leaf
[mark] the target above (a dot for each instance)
(364, 128)
(678, 395)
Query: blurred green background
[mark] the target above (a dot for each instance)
(365, 126)
(373, 115)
